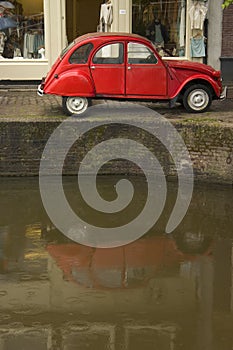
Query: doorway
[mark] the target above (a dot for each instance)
(82, 16)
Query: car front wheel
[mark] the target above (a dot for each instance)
(75, 104)
(197, 98)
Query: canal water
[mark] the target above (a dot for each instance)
(163, 291)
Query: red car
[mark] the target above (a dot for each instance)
(128, 67)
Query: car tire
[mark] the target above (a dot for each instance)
(75, 105)
(197, 98)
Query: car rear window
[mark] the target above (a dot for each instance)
(81, 55)
(67, 48)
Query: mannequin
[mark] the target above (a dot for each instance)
(157, 32)
(41, 52)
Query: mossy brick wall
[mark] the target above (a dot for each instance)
(227, 32)
(210, 146)
(211, 149)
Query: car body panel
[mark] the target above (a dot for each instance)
(187, 72)
(111, 73)
(72, 82)
(146, 80)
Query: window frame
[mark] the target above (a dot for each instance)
(85, 61)
(109, 60)
(143, 60)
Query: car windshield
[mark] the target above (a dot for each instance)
(162, 51)
(66, 49)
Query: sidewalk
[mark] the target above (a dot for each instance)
(20, 104)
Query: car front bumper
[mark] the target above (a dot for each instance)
(40, 90)
(223, 94)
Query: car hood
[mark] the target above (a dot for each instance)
(194, 66)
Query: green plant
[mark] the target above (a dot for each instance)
(227, 3)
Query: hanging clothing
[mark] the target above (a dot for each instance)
(106, 17)
(182, 25)
(197, 47)
(197, 13)
(158, 34)
(3, 38)
(32, 42)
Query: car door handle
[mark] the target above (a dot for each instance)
(129, 67)
(92, 67)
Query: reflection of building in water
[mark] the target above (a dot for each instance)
(25, 338)
(101, 336)
(20, 251)
(176, 296)
(159, 336)
(165, 286)
(116, 277)
(223, 275)
(96, 335)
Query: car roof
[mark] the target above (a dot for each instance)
(118, 35)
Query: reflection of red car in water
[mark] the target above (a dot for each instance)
(123, 267)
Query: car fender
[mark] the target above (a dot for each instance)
(198, 79)
(71, 83)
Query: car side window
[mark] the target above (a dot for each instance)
(140, 54)
(81, 55)
(110, 54)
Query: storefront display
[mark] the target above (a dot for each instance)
(197, 14)
(21, 29)
(163, 22)
(33, 33)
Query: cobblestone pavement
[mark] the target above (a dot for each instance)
(28, 104)
(20, 104)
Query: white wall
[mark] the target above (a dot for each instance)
(122, 12)
(215, 14)
(55, 32)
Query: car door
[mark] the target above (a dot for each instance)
(146, 75)
(108, 69)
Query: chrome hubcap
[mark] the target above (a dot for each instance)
(77, 104)
(198, 99)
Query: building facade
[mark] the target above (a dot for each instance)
(187, 29)
(227, 45)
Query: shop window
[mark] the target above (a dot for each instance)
(110, 54)
(140, 54)
(22, 30)
(163, 22)
(81, 55)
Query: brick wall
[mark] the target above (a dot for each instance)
(210, 146)
(227, 32)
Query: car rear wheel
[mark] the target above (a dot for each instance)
(75, 104)
(197, 98)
